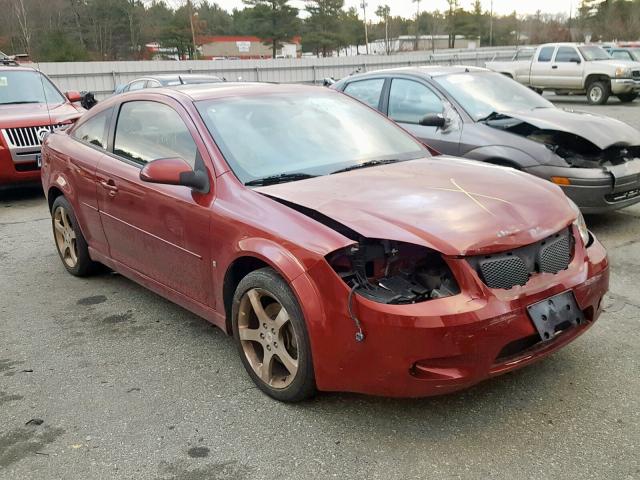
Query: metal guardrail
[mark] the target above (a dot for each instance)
(103, 77)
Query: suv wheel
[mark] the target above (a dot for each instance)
(271, 336)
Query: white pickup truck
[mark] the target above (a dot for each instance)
(572, 67)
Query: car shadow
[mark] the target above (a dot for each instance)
(22, 192)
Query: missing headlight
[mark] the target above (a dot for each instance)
(393, 272)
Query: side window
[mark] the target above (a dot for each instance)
(546, 53)
(94, 130)
(153, 84)
(147, 131)
(138, 85)
(567, 54)
(621, 54)
(367, 91)
(410, 101)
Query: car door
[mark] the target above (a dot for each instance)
(88, 149)
(568, 68)
(542, 71)
(409, 101)
(160, 231)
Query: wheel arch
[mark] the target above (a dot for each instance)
(596, 77)
(53, 193)
(254, 254)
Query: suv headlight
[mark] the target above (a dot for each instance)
(623, 72)
(581, 224)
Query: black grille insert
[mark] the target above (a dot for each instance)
(508, 269)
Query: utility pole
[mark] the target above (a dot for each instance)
(193, 31)
(491, 25)
(415, 46)
(364, 5)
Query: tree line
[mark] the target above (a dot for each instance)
(75, 30)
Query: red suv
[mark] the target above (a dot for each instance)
(30, 107)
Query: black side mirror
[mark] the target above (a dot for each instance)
(576, 60)
(433, 120)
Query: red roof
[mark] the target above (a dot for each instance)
(202, 40)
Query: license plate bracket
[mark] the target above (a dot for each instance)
(39, 160)
(556, 314)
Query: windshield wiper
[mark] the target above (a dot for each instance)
(493, 116)
(370, 163)
(280, 178)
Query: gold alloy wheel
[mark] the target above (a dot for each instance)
(268, 338)
(65, 237)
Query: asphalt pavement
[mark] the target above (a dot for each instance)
(102, 379)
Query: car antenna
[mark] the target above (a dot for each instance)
(46, 101)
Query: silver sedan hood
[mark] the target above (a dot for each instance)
(602, 131)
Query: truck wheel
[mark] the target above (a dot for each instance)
(627, 97)
(598, 93)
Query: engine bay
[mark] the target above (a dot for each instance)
(393, 272)
(574, 149)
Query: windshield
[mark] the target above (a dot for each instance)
(315, 134)
(22, 86)
(593, 53)
(482, 93)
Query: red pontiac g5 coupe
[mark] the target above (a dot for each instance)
(331, 245)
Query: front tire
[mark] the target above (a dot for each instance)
(598, 93)
(271, 336)
(70, 243)
(627, 97)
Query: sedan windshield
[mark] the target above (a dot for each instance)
(483, 93)
(593, 53)
(23, 86)
(293, 136)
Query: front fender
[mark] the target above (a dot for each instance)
(510, 155)
(270, 252)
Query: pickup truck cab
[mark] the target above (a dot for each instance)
(30, 107)
(572, 67)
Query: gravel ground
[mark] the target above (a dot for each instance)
(128, 385)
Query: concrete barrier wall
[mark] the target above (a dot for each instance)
(102, 77)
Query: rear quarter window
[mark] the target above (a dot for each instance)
(367, 91)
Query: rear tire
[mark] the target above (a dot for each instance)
(271, 336)
(598, 92)
(70, 243)
(627, 97)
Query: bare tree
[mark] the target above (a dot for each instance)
(23, 23)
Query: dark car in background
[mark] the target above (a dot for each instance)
(168, 80)
(482, 115)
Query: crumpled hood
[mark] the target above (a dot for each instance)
(601, 131)
(27, 115)
(457, 207)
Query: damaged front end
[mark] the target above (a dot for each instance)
(575, 150)
(392, 272)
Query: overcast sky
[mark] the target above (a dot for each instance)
(407, 8)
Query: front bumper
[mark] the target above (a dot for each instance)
(624, 85)
(595, 190)
(12, 173)
(448, 344)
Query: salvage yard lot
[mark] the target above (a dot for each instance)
(128, 385)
